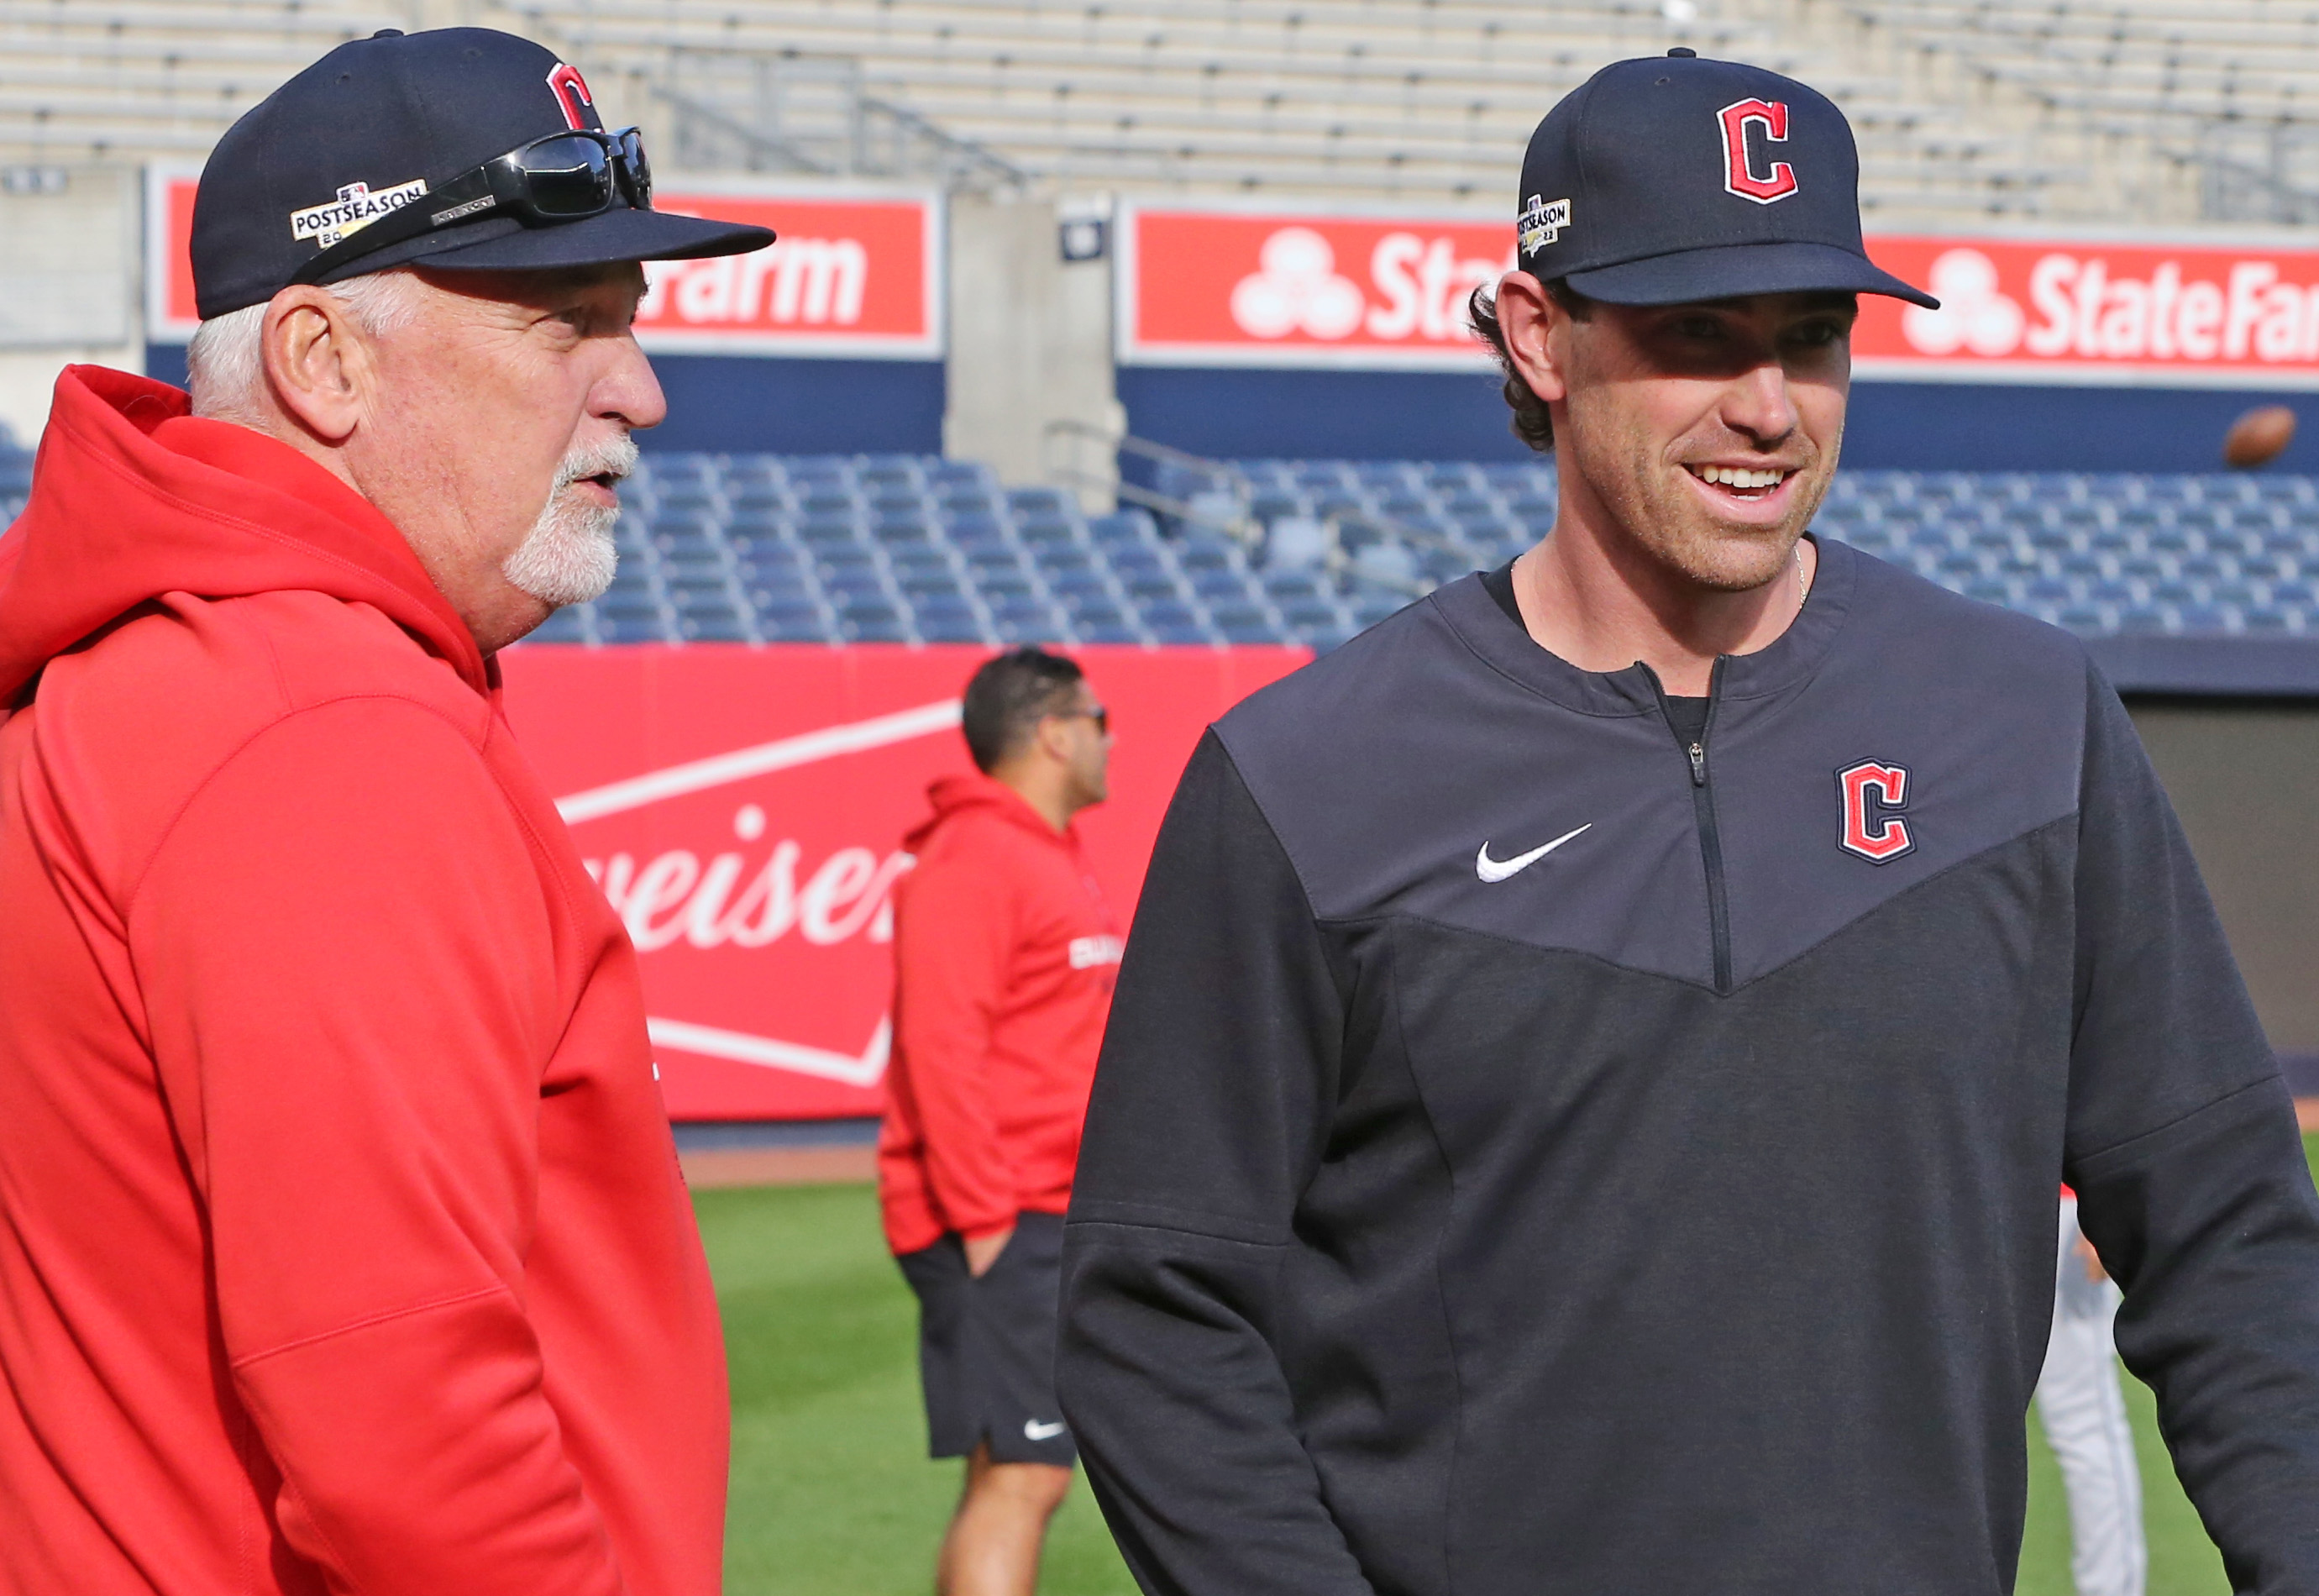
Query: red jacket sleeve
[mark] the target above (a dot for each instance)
(345, 959)
(952, 933)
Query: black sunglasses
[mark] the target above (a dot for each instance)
(1099, 715)
(563, 177)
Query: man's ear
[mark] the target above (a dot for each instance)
(1054, 738)
(318, 363)
(1537, 332)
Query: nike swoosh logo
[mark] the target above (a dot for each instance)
(1035, 1430)
(1499, 869)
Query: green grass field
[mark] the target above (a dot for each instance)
(832, 1491)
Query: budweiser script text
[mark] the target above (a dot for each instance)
(748, 900)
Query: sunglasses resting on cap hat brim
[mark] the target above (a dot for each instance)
(621, 234)
(1735, 271)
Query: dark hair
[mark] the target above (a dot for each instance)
(1533, 423)
(1008, 697)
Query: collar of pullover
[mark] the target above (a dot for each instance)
(1787, 663)
(954, 795)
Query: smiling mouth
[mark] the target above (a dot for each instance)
(1742, 482)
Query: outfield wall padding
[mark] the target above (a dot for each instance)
(744, 809)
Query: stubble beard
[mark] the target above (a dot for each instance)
(1662, 518)
(569, 556)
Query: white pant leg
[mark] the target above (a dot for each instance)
(2083, 1412)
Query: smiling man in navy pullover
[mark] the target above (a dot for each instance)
(1584, 1100)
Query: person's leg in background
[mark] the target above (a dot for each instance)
(1000, 1527)
(1020, 1468)
(2082, 1409)
(992, 1545)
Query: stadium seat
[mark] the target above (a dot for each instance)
(747, 561)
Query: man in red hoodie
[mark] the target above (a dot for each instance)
(1003, 956)
(341, 1242)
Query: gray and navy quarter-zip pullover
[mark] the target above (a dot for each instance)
(1670, 1210)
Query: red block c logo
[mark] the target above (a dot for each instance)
(1873, 794)
(1739, 175)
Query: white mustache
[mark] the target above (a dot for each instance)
(614, 457)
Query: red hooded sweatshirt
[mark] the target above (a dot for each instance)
(1004, 955)
(342, 1245)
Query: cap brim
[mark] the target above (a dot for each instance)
(1733, 270)
(502, 245)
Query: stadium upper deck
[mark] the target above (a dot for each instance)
(165, 77)
(2228, 89)
(1269, 95)
(1965, 108)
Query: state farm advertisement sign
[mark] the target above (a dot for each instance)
(744, 811)
(1269, 288)
(1236, 287)
(2096, 311)
(853, 274)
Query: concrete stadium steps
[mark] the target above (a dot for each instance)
(1330, 96)
(2174, 82)
(1419, 104)
(127, 81)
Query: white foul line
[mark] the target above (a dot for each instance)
(718, 768)
(742, 1048)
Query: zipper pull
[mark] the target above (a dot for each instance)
(1699, 764)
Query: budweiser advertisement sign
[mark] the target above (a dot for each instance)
(1234, 287)
(744, 809)
(853, 273)
(1273, 288)
(2096, 311)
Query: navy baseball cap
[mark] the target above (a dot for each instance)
(1671, 178)
(379, 123)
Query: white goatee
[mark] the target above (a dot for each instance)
(568, 556)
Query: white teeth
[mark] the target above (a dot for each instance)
(1734, 476)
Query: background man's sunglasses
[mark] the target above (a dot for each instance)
(1099, 715)
(563, 177)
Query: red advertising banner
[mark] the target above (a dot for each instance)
(2183, 313)
(1234, 287)
(744, 810)
(169, 314)
(1274, 288)
(853, 274)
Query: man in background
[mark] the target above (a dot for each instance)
(2082, 1409)
(1004, 954)
(342, 1246)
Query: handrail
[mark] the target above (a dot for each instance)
(965, 150)
(1127, 442)
(756, 139)
(1239, 528)
(956, 159)
(1243, 527)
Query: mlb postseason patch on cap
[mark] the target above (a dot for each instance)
(1671, 178)
(1542, 222)
(355, 207)
(380, 124)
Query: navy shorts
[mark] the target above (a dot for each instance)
(987, 1346)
